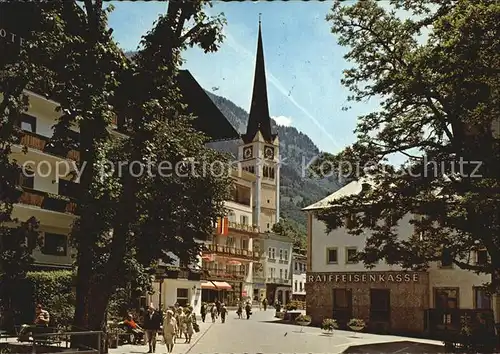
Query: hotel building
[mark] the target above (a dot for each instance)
(243, 259)
(386, 297)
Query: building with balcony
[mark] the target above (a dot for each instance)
(228, 257)
(387, 297)
(299, 266)
(47, 191)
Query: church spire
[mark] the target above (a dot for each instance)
(259, 118)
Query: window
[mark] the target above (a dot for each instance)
(281, 254)
(296, 266)
(301, 286)
(482, 257)
(231, 217)
(272, 271)
(446, 258)
(243, 219)
(268, 226)
(271, 252)
(446, 298)
(244, 244)
(295, 285)
(28, 123)
(55, 244)
(286, 255)
(27, 180)
(380, 304)
(230, 241)
(281, 273)
(341, 298)
(286, 273)
(351, 253)
(331, 255)
(482, 299)
(183, 297)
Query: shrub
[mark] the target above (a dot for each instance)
(292, 305)
(54, 290)
(329, 324)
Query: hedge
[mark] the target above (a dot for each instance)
(52, 289)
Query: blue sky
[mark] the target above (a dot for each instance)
(303, 62)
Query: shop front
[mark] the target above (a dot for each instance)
(388, 301)
(225, 291)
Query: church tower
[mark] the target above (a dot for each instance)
(259, 153)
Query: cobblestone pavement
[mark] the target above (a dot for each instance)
(263, 335)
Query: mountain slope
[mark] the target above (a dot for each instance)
(297, 150)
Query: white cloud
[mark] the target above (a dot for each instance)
(282, 120)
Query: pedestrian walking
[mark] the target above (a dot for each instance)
(264, 304)
(213, 312)
(152, 324)
(217, 306)
(239, 311)
(203, 312)
(248, 310)
(188, 326)
(223, 313)
(169, 330)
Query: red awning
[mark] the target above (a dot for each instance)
(208, 285)
(222, 285)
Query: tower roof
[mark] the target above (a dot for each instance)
(259, 119)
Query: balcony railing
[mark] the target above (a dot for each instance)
(39, 142)
(225, 273)
(273, 280)
(244, 227)
(47, 201)
(232, 251)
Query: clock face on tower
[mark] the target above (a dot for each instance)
(269, 152)
(247, 152)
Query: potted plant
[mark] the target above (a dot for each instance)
(303, 320)
(356, 324)
(113, 335)
(329, 324)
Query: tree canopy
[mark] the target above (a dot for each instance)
(434, 66)
(128, 219)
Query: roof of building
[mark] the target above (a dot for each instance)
(352, 188)
(259, 118)
(209, 119)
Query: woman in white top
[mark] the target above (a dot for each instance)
(169, 330)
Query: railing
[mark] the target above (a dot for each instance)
(227, 274)
(273, 280)
(47, 201)
(233, 251)
(39, 142)
(244, 227)
(56, 338)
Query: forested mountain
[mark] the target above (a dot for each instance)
(296, 150)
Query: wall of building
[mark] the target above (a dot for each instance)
(340, 239)
(169, 293)
(284, 265)
(298, 277)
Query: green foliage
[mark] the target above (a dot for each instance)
(329, 324)
(126, 224)
(293, 230)
(356, 322)
(55, 291)
(439, 101)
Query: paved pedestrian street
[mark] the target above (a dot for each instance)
(263, 334)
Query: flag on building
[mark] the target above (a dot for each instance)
(223, 226)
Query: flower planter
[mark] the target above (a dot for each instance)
(356, 328)
(303, 323)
